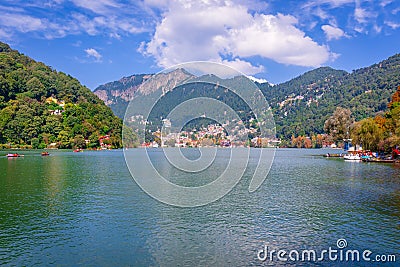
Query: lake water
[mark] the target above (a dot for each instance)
(84, 209)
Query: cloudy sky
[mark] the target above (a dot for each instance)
(98, 41)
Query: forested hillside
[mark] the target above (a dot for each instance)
(302, 105)
(40, 106)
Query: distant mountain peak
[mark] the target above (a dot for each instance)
(117, 94)
(165, 81)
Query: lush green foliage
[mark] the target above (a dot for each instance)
(338, 125)
(382, 132)
(72, 117)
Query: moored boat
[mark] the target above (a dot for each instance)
(377, 160)
(335, 155)
(78, 150)
(352, 157)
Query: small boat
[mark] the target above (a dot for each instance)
(366, 157)
(13, 155)
(155, 145)
(379, 160)
(353, 157)
(78, 150)
(329, 155)
(45, 153)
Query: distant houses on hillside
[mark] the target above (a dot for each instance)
(56, 107)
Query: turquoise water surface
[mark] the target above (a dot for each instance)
(85, 209)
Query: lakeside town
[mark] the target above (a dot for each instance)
(211, 135)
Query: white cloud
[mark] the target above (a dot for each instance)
(377, 28)
(351, 16)
(322, 14)
(115, 35)
(332, 3)
(361, 15)
(84, 23)
(392, 24)
(108, 17)
(157, 3)
(97, 6)
(364, 15)
(23, 23)
(91, 52)
(384, 3)
(333, 33)
(5, 35)
(243, 66)
(277, 38)
(227, 32)
(254, 79)
(363, 24)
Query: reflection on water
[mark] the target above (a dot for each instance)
(84, 209)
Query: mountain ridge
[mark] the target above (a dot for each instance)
(302, 104)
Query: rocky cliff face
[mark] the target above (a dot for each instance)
(123, 89)
(118, 94)
(165, 81)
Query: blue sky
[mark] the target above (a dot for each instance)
(98, 41)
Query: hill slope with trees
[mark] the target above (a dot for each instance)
(302, 105)
(40, 106)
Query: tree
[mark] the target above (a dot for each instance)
(367, 133)
(307, 142)
(338, 125)
(394, 119)
(79, 141)
(388, 143)
(170, 142)
(207, 142)
(395, 98)
(35, 86)
(35, 142)
(6, 116)
(130, 139)
(63, 139)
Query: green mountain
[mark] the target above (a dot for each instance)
(302, 105)
(40, 107)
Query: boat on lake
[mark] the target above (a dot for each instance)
(78, 150)
(334, 155)
(13, 155)
(378, 160)
(352, 157)
(45, 153)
